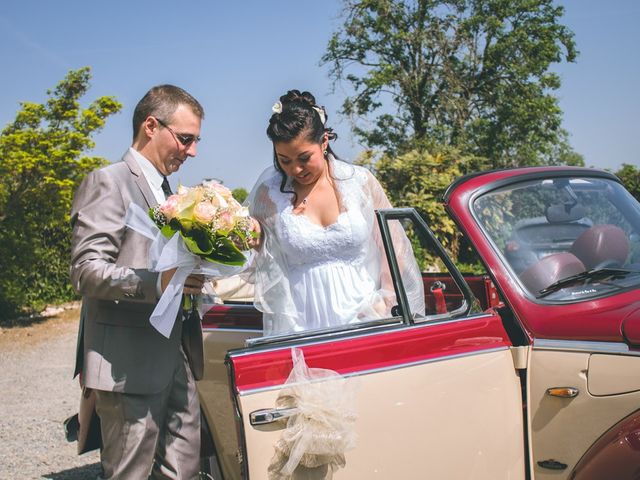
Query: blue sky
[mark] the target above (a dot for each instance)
(237, 58)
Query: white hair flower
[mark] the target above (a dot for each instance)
(321, 113)
(277, 107)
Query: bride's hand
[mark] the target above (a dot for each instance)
(254, 240)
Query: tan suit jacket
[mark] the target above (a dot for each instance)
(118, 349)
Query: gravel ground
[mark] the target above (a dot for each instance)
(36, 394)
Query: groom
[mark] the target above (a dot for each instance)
(143, 383)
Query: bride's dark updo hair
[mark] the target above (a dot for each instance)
(299, 115)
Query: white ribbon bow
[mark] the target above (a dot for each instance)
(165, 254)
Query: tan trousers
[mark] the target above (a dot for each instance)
(151, 436)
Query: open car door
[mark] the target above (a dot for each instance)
(436, 391)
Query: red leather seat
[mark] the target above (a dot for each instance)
(602, 246)
(549, 270)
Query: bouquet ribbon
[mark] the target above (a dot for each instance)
(165, 254)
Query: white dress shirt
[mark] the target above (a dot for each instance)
(151, 174)
(154, 178)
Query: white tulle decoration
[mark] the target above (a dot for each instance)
(314, 443)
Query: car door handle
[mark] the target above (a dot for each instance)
(270, 415)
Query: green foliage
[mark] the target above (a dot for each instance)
(630, 177)
(42, 163)
(240, 194)
(461, 73)
(418, 179)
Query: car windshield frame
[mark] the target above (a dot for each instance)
(630, 213)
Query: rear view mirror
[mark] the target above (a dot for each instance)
(564, 213)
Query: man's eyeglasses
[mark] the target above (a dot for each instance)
(185, 139)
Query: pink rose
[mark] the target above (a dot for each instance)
(170, 207)
(204, 212)
(221, 189)
(226, 221)
(223, 194)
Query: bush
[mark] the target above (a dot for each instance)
(42, 165)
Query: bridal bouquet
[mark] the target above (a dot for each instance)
(201, 229)
(211, 223)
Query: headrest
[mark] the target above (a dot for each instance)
(549, 270)
(601, 245)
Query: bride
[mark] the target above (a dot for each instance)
(320, 262)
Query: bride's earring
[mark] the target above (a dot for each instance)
(325, 153)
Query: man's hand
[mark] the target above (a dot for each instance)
(192, 285)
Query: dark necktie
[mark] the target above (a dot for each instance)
(166, 188)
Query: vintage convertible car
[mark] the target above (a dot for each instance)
(530, 370)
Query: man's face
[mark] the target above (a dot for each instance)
(167, 151)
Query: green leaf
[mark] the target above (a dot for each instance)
(198, 242)
(168, 231)
(226, 253)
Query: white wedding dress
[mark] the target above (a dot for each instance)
(313, 277)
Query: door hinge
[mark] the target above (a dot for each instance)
(520, 357)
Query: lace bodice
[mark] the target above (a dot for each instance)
(306, 243)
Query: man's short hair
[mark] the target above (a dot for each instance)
(162, 101)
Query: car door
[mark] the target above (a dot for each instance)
(436, 393)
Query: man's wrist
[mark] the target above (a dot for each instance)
(159, 286)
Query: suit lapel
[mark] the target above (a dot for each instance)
(139, 179)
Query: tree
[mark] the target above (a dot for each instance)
(42, 161)
(630, 177)
(240, 194)
(469, 74)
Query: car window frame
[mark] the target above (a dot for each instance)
(427, 240)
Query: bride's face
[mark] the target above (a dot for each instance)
(302, 159)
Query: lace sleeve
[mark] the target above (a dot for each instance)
(272, 294)
(409, 271)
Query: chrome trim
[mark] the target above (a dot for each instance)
(244, 393)
(616, 348)
(234, 330)
(330, 336)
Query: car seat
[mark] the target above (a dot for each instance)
(550, 269)
(601, 246)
